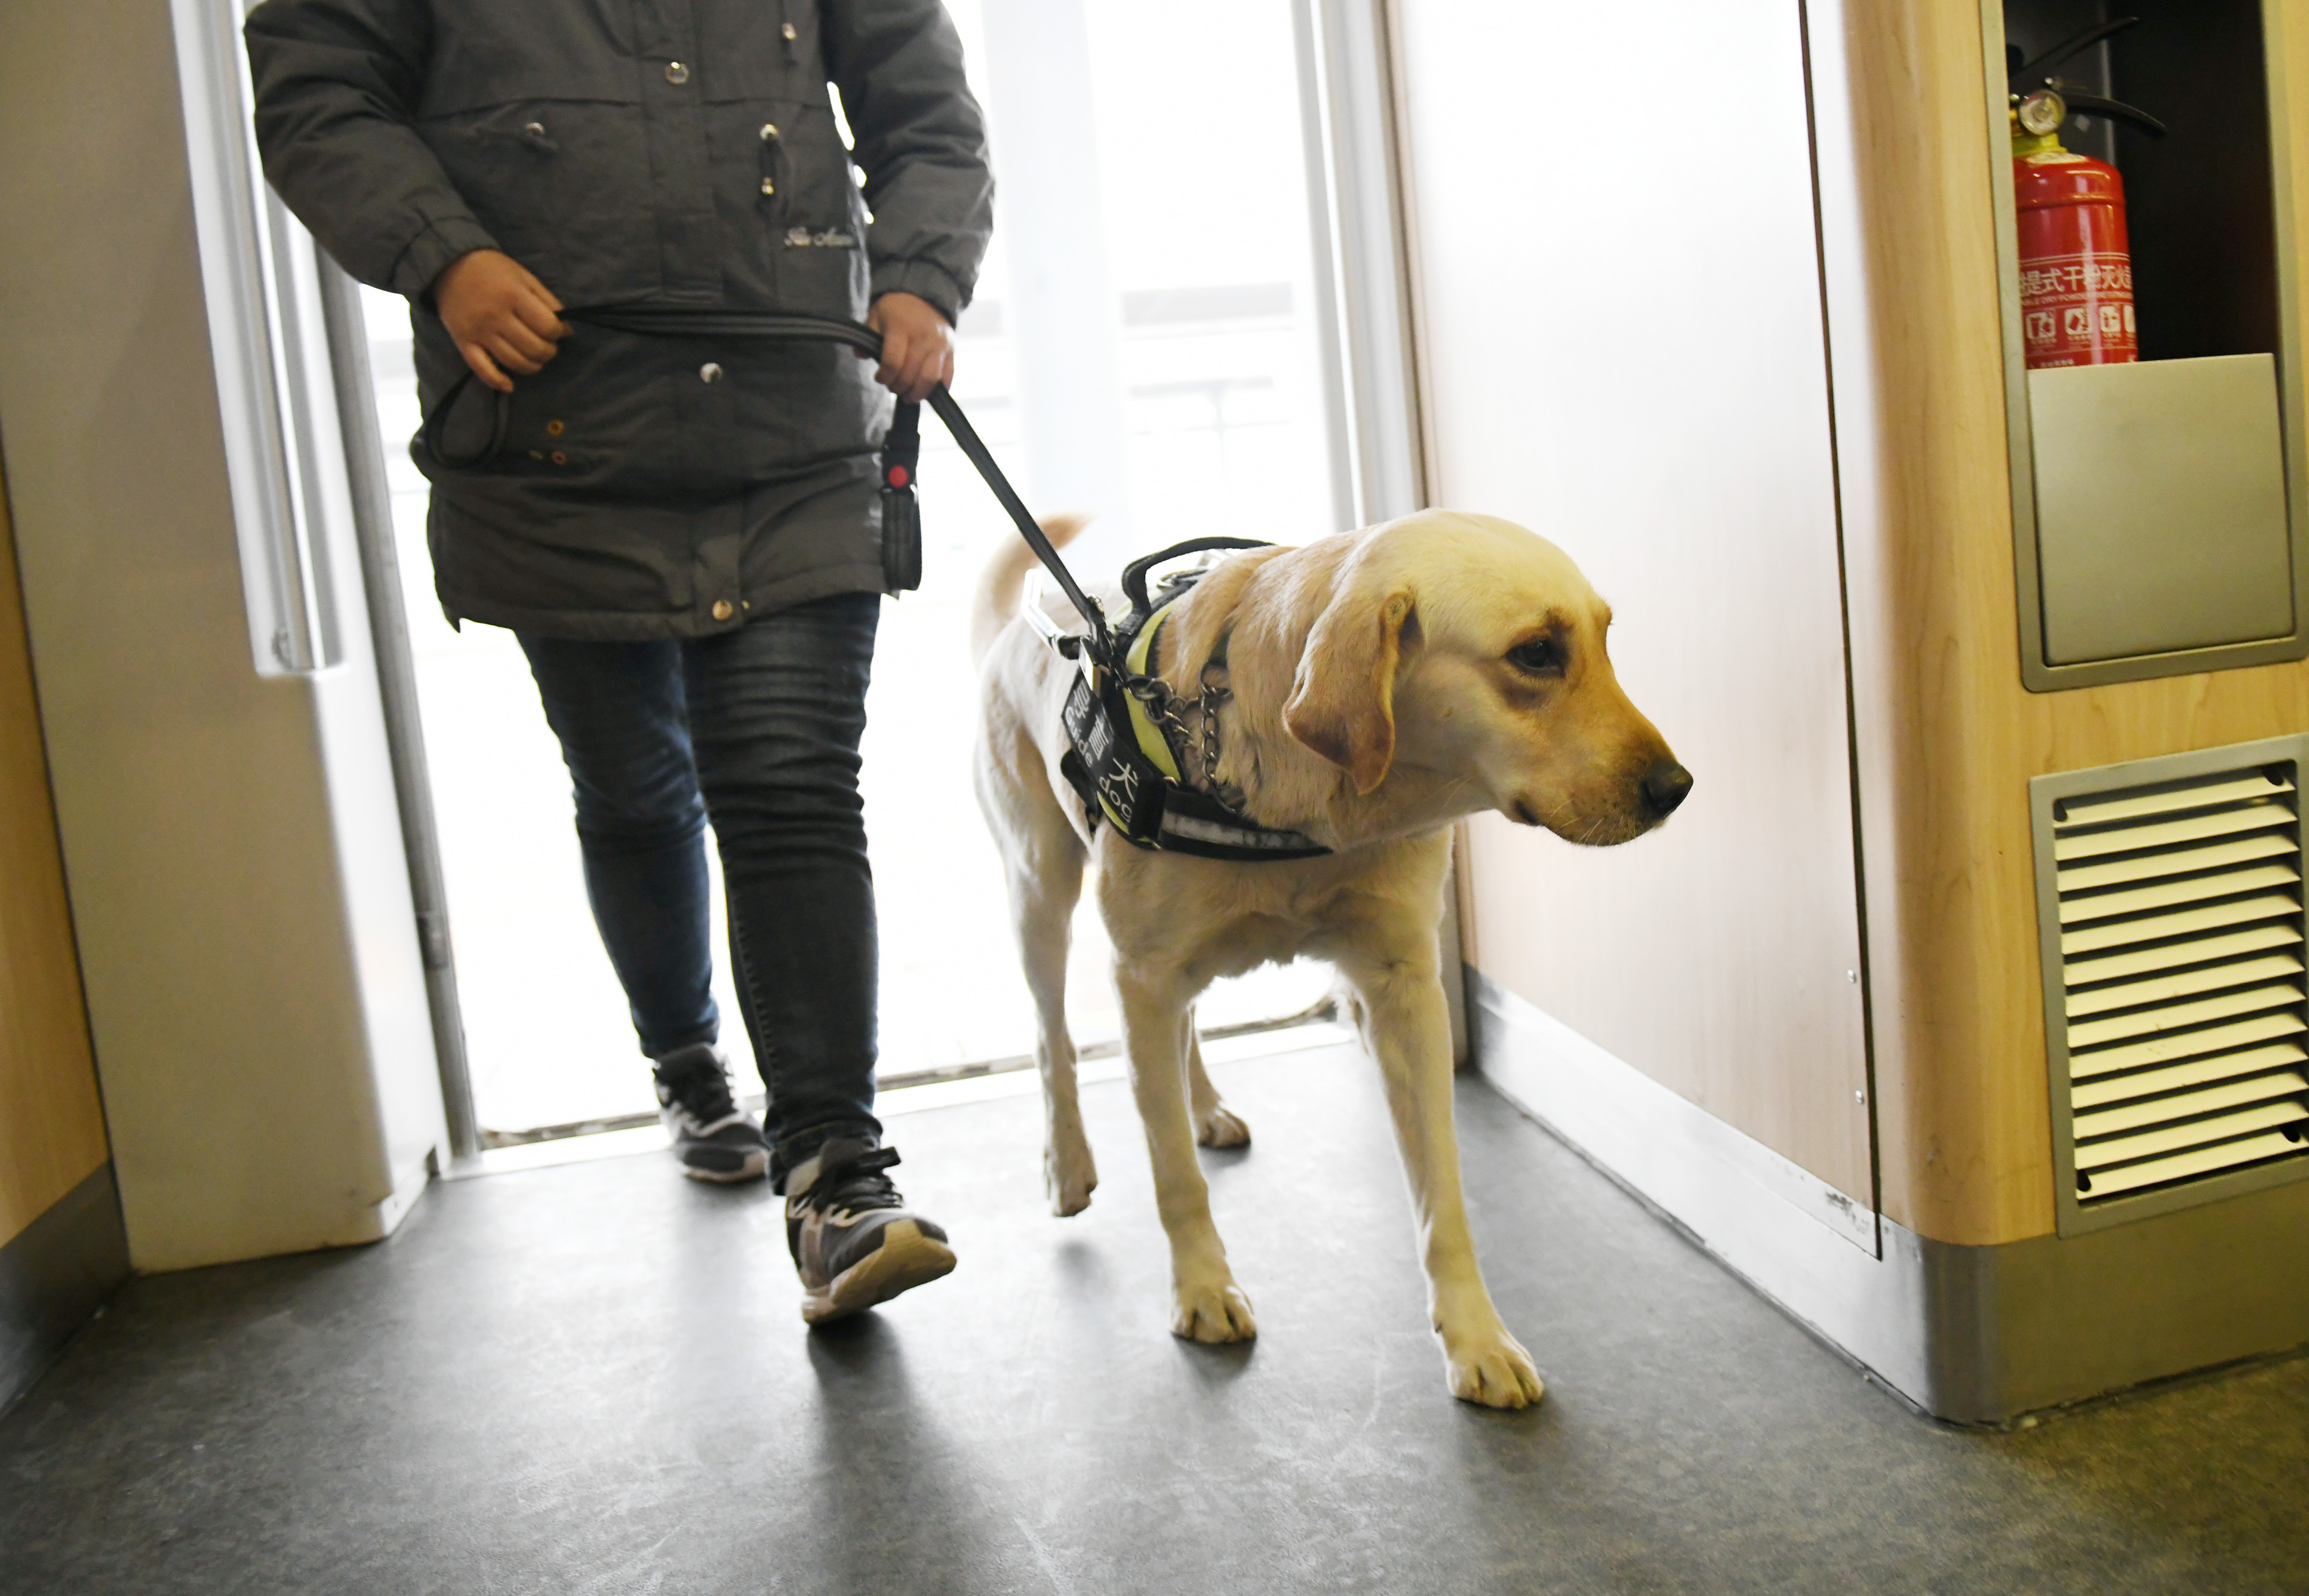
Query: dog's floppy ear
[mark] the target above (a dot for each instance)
(1342, 700)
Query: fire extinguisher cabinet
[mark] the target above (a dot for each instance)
(2158, 503)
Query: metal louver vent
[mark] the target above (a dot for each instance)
(2177, 1004)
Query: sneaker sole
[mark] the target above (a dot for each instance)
(755, 1166)
(906, 1259)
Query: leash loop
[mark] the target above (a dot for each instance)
(428, 431)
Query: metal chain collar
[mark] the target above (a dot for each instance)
(1165, 706)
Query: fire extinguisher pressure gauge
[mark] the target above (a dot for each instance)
(2041, 112)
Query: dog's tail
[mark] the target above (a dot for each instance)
(1000, 584)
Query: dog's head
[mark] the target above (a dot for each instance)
(1468, 646)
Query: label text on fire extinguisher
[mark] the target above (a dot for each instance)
(2077, 310)
(2078, 275)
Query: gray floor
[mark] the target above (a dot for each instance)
(593, 1379)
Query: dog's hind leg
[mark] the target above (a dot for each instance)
(1216, 1123)
(1407, 1028)
(1042, 862)
(1206, 1306)
(1042, 899)
(1045, 887)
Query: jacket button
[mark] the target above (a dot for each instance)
(711, 372)
(721, 609)
(676, 73)
(769, 131)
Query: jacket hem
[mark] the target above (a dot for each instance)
(614, 626)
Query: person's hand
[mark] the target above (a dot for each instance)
(502, 317)
(917, 346)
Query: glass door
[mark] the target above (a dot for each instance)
(1149, 343)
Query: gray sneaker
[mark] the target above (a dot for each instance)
(854, 1243)
(713, 1137)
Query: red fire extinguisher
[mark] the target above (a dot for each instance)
(2076, 265)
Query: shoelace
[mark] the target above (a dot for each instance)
(704, 1090)
(857, 1185)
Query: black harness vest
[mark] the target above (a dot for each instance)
(1125, 760)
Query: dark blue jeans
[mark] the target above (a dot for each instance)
(755, 730)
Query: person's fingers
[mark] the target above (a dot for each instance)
(508, 356)
(527, 319)
(535, 309)
(920, 377)
(897, 351)
(505, 323)
(530, 281)
(935, 365)
(532, 342)
(484, 367)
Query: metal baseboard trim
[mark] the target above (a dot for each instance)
(53, 1274)
(1971, 1335)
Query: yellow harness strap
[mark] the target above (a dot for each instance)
(1151, 741)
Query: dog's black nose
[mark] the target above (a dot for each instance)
(1666, 785)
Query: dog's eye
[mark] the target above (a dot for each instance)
(1542, 656)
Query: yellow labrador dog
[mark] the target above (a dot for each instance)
(1378, 686)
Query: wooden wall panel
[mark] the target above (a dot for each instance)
(51, 1124)
(1621, 347)
(1947, 737)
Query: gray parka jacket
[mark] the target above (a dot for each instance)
(661, 152)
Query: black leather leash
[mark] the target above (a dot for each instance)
(899, 451)
(1108, 764)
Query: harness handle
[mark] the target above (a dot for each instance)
(1134, 574)
(682, 321)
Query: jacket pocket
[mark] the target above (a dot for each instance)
(805, 174)
(809, 232)
(564, 186)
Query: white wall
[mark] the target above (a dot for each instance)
(1624, 348)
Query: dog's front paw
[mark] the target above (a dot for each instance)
(1221, 1127)
(1213, 1314)
(1492, 1369)
(1069, 1176)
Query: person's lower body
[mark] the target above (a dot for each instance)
(757, 730)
